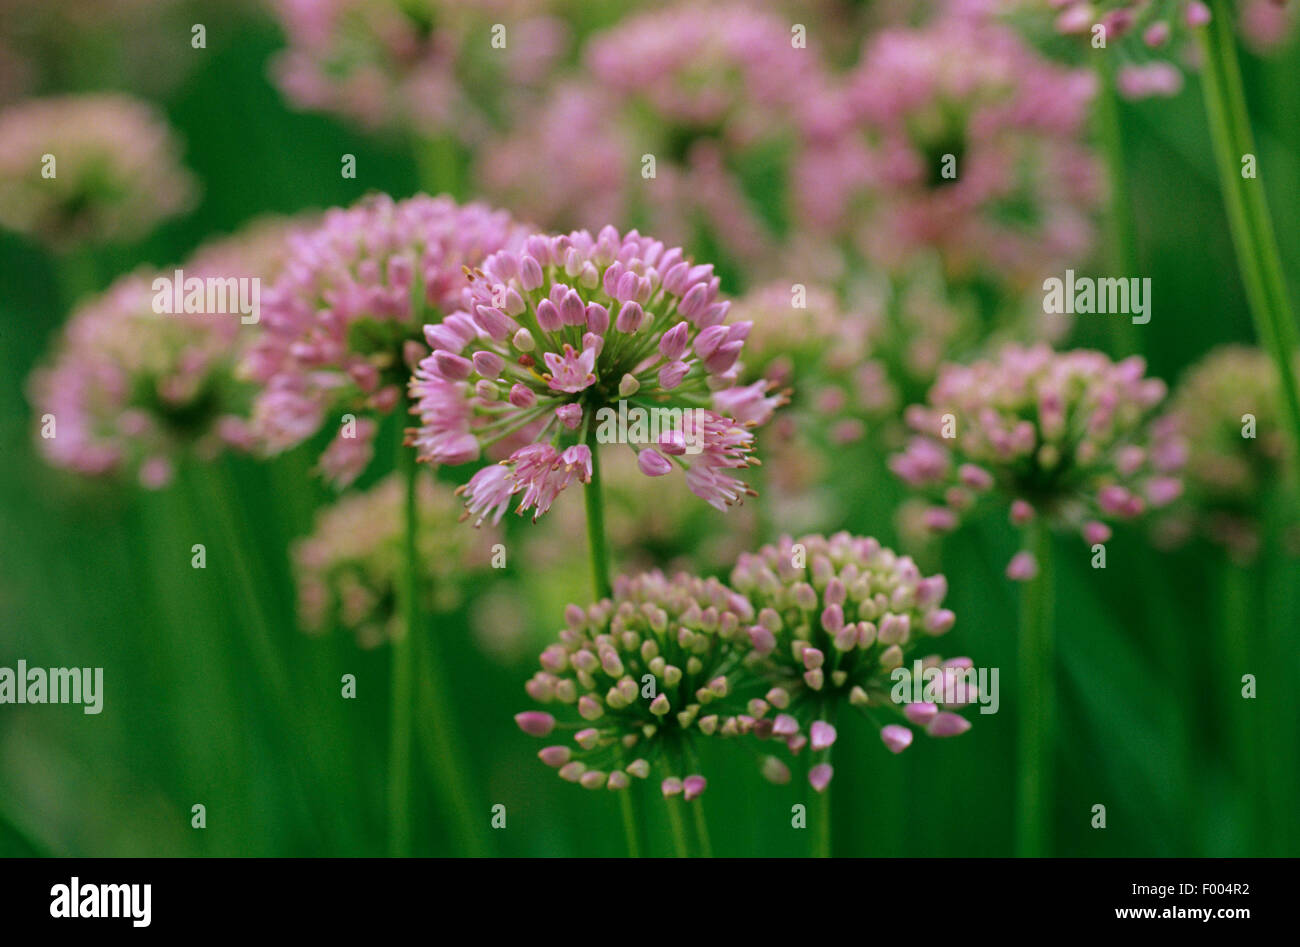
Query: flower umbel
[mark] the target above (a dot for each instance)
(556, 340)
(638, 677)
(342, 325)
(1065, 435)
(347, 569)
(834, 617)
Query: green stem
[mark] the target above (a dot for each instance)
(1123, 254)
(598, 545)
(1237, 625)
(630, 830)
(435, 726)
(701, 829)
(680, 845)
(399, 743)
(1258, 258)
(820, 807)
(1037, 693)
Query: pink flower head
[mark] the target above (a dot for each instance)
(573, 338)
(687, 635)
(342, 322)
(348, 568)
(700, 86)
(941, 131)
(1008, 417)
(388, 64)
(1225, 431)
(138, 380)
(843, 613)
(117, 172)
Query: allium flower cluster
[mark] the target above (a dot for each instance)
(570, 325)
(348, 569)
(88, 169)
(1069, 436)
(955, 139)
(638, 677)
(129, 389)
(802, 340)
(1228, 409)
(412, 64)
(342, 325)
(834, 619)
(710, 94)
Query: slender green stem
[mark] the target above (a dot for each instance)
(1123, 253)
(599, 546)
(703, 842)
(1238, 624)
(680, 845)
(630, 830)
(399, 741)
(1037, 699)
(820, 806)
(1258, 258)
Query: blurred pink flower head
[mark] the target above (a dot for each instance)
(342, 325)
(1066, 435)
(955, 139)
(675, 102)
(414, 65)
(1226, 413)
(82, 169)
(347, 570)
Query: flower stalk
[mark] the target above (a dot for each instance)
(1258, 257)
(1038, 694)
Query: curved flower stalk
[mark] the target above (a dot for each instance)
(1068, 437)
(560, 338)
(132, 390)
(342, 326)
(1228, 410)
(89, 169)
(1066, 440)
(349, 568)
(418, 65)
(955, 140)
(638, 678)
(710, 94)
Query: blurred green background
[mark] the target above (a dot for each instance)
(99, 575)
